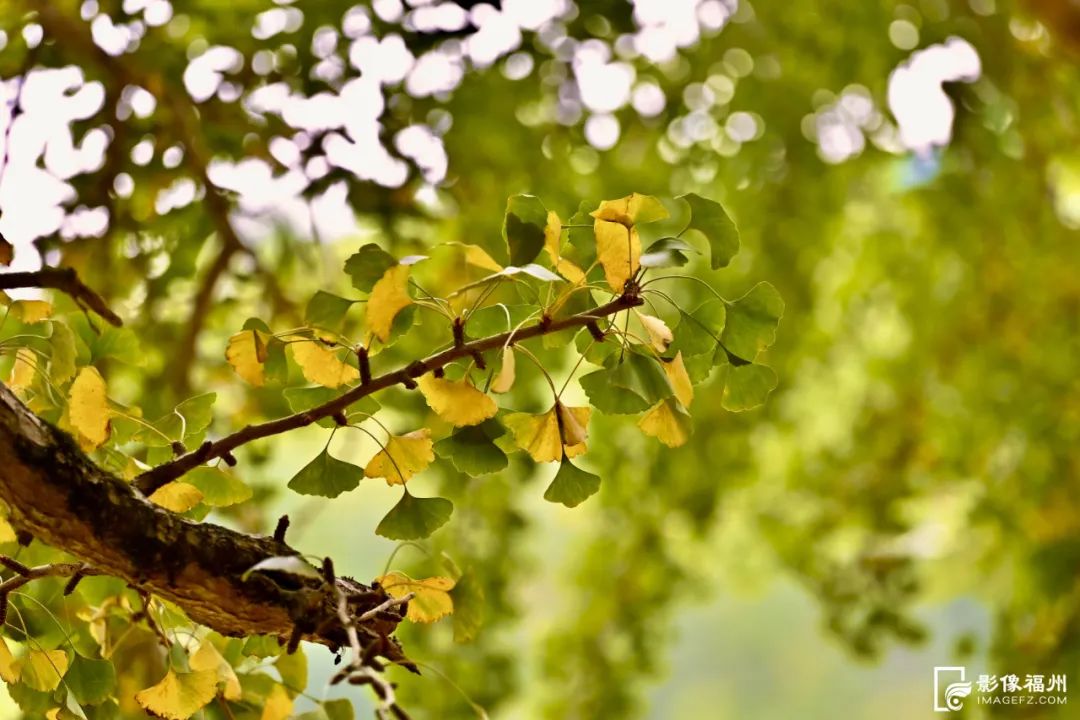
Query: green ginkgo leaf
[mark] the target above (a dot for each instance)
(571, 485)
(414, 518)
(747, 387)
(326, 476)
(327, 311)
(523, 228)
(90, 681)
(709, 218)
(472, 449)
(367, 266)
(631, 386)
(752, 321)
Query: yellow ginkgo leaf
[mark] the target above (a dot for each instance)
(32, 311)
(680, 379)
(632, 209)
(88, 409)
(7, 533)
(8, 671)
(278, 705)
(247, 352)
(659, 333)
(478, 256)
(321, 365)
(179, 695)
(573, 423)
(456, 401)
(618, 248)
(22, 371)
(207, 657)
(537, 435)
(389, 296)
(550, 435)
(668, 422)
(553, 246)
(431, 599)
(42, 669)
(402, 457)
(177, 496)
(507, 372)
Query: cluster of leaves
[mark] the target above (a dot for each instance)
(557, 271)
(583, 288)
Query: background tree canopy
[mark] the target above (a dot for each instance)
(263, 210)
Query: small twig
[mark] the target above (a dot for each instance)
(25, 574)
(386, 605)
(65, 280)
(282, 526)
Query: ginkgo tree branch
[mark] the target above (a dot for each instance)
(153, 479)
(65, 280)
(56, 494)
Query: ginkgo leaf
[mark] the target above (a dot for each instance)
(472, 449)
(88, 408)
(64, 353)
(633, 209)
(573, 424)
(414, 518)
(618, 248)
(456, 401)
(469, 601)
(431, 596)
(659, 333)
(401, 457)
(680, 379)
(90, 681)
(278, 705)
(327, 311)
(247, 352)
(32, 311)
(668, 422)
(504, 380)
(523, 228)
(752, 321)
(747, 387)
(478, 256)
(23, 369)
(179, 695)
(218, 487)
(389, 296)
(633, 385)
(177, 496)
(710, 219)
(553, 246)
(326, 476)
(9, 673)
(42, 670)
(321, 365)
(550, 435)
(571, 485)
(368, 265)
(207, 657)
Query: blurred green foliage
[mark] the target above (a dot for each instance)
(922, 442)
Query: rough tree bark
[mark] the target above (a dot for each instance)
(57, 494)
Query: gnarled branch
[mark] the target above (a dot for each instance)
(57, 494)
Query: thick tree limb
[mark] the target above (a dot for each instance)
(151, 480)
(65, 280)
(56, 493)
